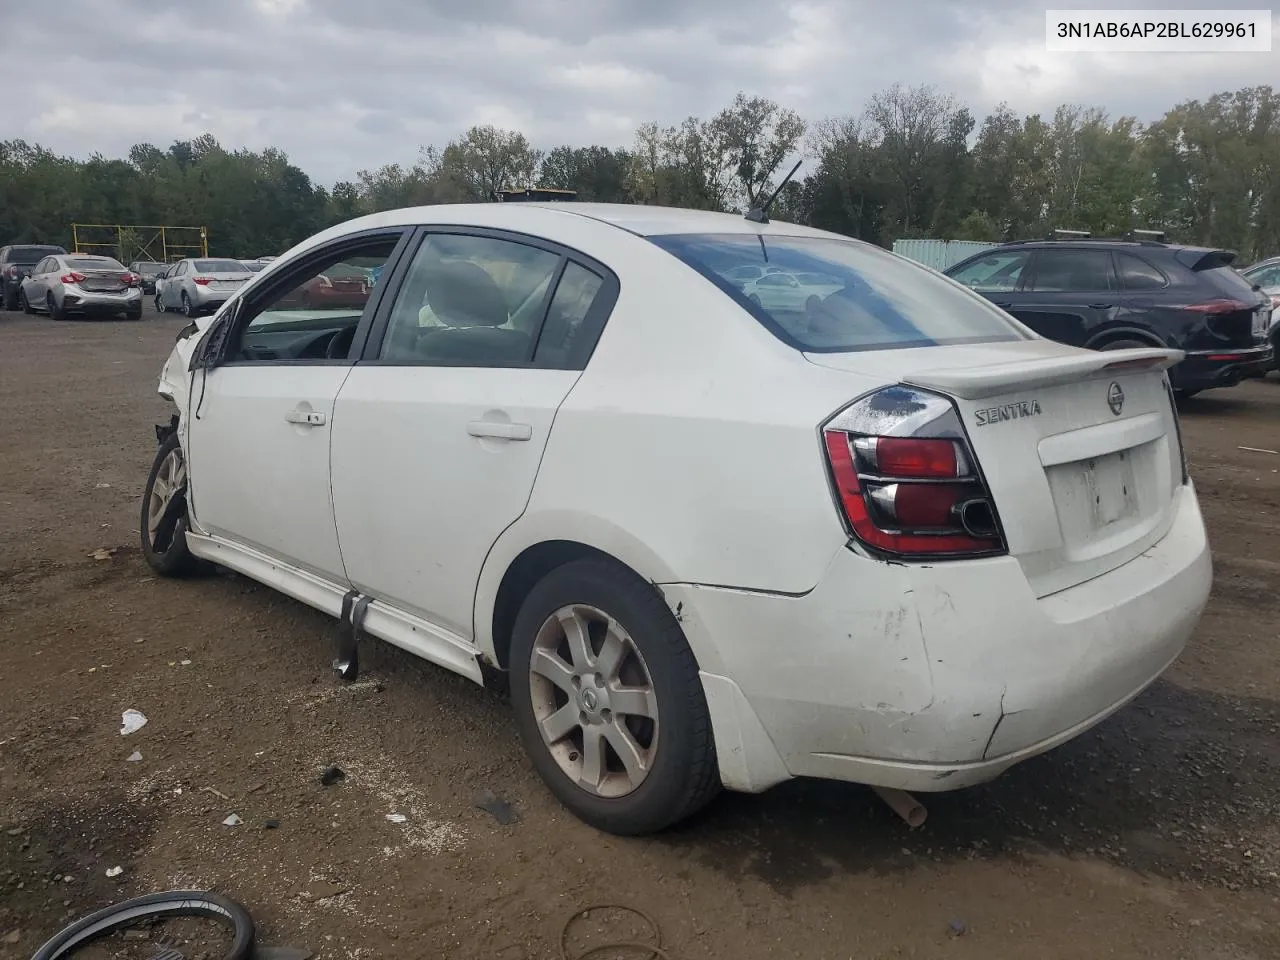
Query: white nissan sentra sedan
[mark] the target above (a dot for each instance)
(887, 536)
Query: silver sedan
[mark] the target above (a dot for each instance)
(200, 284)
(81, 284)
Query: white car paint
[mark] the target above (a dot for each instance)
(691, 452)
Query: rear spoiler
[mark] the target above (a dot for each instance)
(977, 383)
(1200, 258)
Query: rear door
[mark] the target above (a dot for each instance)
(439, 430)
(1069, 294)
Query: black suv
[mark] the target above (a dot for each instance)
(1114, 294)
(16, 261)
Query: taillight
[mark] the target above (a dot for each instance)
(13, 272)
(130, 279)
(906, 478)
(1218, 306)
(1275, 301)
(72, 277)
(202, 281)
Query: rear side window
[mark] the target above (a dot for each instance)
(1136, 274)
(1265, 277)
(1071, 271)
(864, 299)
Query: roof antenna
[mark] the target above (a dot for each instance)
(760, 214)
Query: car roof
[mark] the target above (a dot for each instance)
(645, 221)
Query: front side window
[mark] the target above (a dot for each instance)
(870, 299)
(316, 315)
(992, 272)
(470, 300)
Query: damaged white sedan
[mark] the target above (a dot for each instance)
(885, 535)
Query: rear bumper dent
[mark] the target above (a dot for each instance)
(965, 675)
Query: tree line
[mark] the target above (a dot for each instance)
(914, 162)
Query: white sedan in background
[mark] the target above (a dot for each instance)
(898, 539)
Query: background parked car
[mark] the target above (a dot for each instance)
(202, 284)
(148, 270)
(786, 291)
(16, 261)
(1266, 274)
(1116, 294)
(82, 284)
(341, 285)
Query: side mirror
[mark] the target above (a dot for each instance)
(212, 349)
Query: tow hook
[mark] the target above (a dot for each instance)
(347, 663)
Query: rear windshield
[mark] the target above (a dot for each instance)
(31, 254)
(94, 263)
(219, 266)
(254, 267)
(147, 269)
(1229, 281)
(837, 296)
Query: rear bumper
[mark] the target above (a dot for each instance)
(935, 677)
(88, 302)
(1203, 369)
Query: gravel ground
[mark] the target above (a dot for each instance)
(1155, 835)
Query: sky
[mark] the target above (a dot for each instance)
(343, 85)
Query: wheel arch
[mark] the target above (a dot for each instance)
(532, 548)
(1111, 334)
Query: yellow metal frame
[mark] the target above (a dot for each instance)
(129, 242)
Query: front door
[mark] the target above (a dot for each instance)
(439, 433)
(259, 427)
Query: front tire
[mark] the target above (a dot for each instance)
(22, 302)
(168, 556)
(160, 308)
(608, 701)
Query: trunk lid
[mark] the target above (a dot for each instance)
(103, 281)
(1079, 448)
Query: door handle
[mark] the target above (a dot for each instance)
(307, 418)
(502, 431)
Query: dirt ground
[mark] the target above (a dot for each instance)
(1156, 835)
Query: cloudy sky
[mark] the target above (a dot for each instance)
(345, 84)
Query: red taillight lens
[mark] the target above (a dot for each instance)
(1275, 302)
(894, 490)
(130, 279)
(72, 277)
(202, 281)
(1218, 306)
(13, 271)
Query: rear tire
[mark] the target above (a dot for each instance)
(10, 298)
(174, 558)
(663, 722)
(55, 312)
(187, 310)
(134, 313)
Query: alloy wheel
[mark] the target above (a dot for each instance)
(169, 479)
(593, 701)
